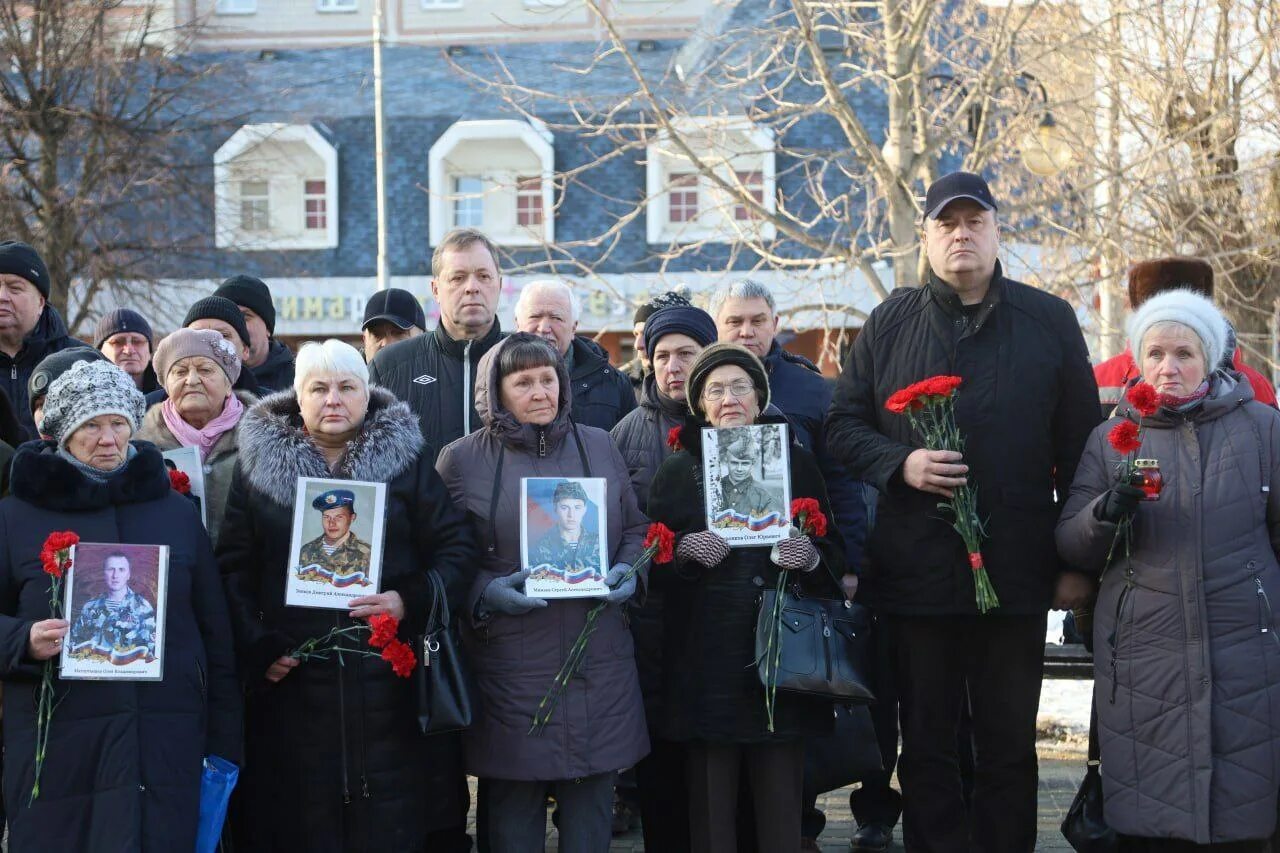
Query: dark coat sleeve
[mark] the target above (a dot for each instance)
(807, 482)
(14, 631)
(445, 544)
(239, 555)
(1083, 541)
(223, 735)
(1077, 412)
(853, 437)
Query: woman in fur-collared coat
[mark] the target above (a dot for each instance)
(335, 759)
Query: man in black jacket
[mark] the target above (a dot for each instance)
(436, 373)
(30, 328)
(1026, 407)
(601, 394)
(270, 361)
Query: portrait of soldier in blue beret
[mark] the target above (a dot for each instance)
(338, 552)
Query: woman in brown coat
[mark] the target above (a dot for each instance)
(518, 643)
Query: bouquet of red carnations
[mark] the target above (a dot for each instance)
(930, 406)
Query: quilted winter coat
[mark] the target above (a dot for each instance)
(1186, 655)
(599, 724)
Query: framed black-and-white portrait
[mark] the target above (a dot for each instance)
(335, 554)
(115, 601)
(747, 476)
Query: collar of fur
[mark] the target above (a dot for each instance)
(42, 477)
(275, 450)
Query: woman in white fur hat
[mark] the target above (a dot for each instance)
(1186, 655)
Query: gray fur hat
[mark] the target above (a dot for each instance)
(1188, 308)
(87, 390)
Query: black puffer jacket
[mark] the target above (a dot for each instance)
(1027, 405)
(602, 396)
(711, 690)
(276, 373)
(337, 749)
(436, 376)
(123, 767)
(49, 336)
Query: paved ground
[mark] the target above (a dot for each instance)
(1061, 768)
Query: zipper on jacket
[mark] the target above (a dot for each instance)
(826, 647)
(542, 443)
(1115, 636)
(466, 388)
(1265, 613)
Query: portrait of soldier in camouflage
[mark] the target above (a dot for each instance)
(340, 555)
(570, 545)
(119, 625)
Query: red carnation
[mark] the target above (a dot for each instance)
(939, 386)
(673, 438)
(385, 627)
(1144, 399)
(809, 513)
(666, 540)
(1124, 438)
(54, 558)
(401, 657)
(902, 400)
(180, 482)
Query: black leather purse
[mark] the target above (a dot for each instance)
(1085, 827)
(442, 683)
(823, 646)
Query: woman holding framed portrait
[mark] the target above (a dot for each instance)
(714, 701)
(518, 642)
(333, 743)
(122, 768)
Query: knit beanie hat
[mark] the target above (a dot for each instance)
(122, 320)
(218, 308)
(718, 355)
(679, 296)
(22, 260)
(1147, 278)
(54, 365)
(1191, 310)
(251, 293)
(185, 343)
(684, 320)
(87, 390)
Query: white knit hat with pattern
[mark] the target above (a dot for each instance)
(1190, 309)
(87, 390)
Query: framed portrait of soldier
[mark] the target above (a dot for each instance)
(187, 460)
(563, 533)
(115, 601)
(748, 483)
(335, 553)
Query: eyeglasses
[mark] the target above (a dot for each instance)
(739, 389)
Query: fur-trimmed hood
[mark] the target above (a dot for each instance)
(275, 450)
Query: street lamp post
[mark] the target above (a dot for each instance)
(379, 150)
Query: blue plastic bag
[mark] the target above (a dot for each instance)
(216, 784)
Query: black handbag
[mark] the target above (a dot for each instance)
(1085, 826)
(849, 754)
(441, 682)
(823, 646)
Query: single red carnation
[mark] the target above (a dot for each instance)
(665, 538)
(809, 513)
(55, 557)
(673, 438)
(180, 482)
(1124, 438)
(940, 386)
(385, 627)
(1144, 399)
(401, 657)
(900, 401)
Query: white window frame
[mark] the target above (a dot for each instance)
(440, 5)
(469, 201)
(717, 221)
(330, 7)
(228, 234)
(236, 7)
(259, 203)
(525, 190)
(742, 213)
(684, 183)
(533, 134)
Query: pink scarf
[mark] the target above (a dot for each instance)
(205, 439)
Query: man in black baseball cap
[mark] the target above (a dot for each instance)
(270, 361)
(391, 315)
(956, 186)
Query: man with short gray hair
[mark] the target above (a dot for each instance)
(601, 395)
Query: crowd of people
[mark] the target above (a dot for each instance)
(665, 718)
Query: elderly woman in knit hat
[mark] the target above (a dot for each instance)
(88, 477)
(713, 700)
(197, 368)
(1186, 656)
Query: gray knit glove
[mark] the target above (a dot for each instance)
(796, 554)
(503, 596)
(704, 548)
(620, 590)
